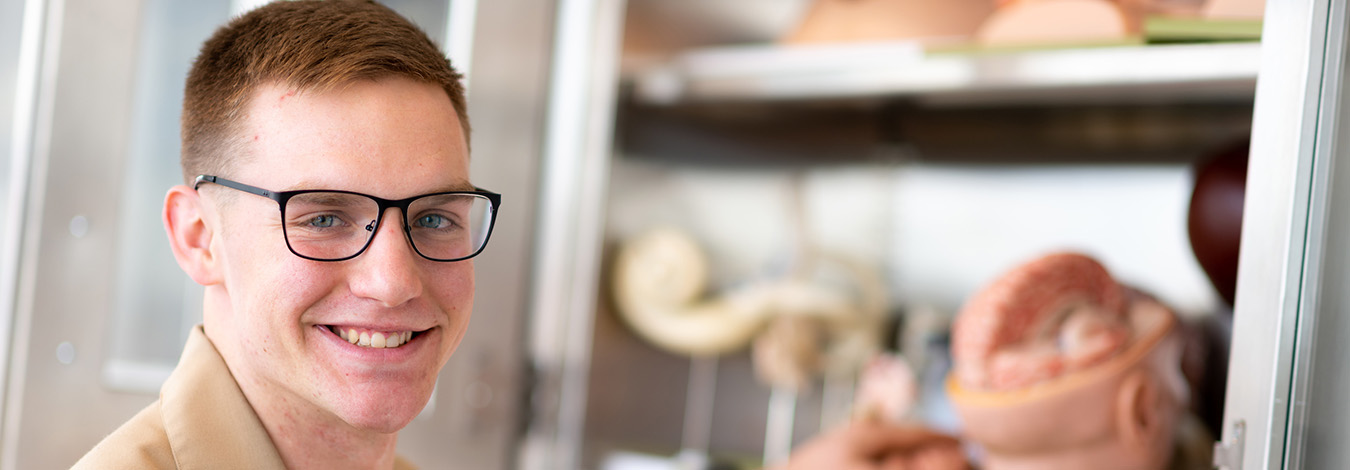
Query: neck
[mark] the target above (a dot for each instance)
(306, 436)
(1109, 454)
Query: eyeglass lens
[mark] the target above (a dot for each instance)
(334, 225)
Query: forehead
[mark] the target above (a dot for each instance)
(391, 137)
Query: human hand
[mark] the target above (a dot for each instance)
(874, 446)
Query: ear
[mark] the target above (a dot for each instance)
(190, 235)
(1137, 419)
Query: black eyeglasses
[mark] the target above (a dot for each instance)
(329, 225)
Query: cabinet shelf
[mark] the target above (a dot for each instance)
(1223, 72)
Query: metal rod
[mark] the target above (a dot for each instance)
(574, 180)
(698, 405)
(836, 399)
(778, 426)
(460, 23)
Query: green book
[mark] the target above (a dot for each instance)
(1192, 29)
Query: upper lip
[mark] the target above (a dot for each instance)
(379, 326)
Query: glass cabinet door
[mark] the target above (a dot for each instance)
(1318, 420)
(1285, 401)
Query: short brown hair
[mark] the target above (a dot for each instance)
(304, 45)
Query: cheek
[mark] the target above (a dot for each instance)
(453, 288)
(272, 287)
(452, 291)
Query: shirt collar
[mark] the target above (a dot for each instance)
(209, 421)
(207, 418)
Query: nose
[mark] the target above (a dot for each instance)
(388, 271)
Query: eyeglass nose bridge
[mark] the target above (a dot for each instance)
(374, 226)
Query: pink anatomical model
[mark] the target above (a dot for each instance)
(887, 390)
(1057, 366)
(1057, 314)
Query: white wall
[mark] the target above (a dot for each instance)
(938, 232)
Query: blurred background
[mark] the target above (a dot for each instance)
(886, 157)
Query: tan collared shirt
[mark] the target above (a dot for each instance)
(201, 420)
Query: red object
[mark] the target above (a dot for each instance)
(1215, 219)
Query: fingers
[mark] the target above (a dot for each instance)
(878, 439)
(938, 457)
(876, 446)
(931, 457)
(896, 462)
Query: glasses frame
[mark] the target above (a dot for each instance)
(281, 197)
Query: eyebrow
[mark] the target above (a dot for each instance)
(337, 199)
(458, 184)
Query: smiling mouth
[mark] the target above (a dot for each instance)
(374, 339)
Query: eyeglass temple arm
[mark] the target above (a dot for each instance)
(202, 179)
(232, 184)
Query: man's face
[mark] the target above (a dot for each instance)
(391, 138)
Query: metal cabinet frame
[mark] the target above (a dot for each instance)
(1293, 151)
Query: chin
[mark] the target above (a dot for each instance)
(384, 411)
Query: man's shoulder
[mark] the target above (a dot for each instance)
(141, 443)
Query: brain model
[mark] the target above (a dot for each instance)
(1046, 318)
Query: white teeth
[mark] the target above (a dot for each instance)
(376, 339)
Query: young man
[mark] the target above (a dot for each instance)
(328, 213)
(329, 313)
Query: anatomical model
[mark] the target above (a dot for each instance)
(1057, 366)
(800, 324)
(878, 20)
(887, 393)
(1041, 22)
(1072, 22)
(1001, 22)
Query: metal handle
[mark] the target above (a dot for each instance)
(1228, 454)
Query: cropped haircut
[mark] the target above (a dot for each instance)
(305, 46)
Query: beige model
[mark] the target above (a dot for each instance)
(926, 21)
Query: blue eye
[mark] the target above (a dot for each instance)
(323, 221)
(432, 221)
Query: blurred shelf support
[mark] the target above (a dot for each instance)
(776, 134)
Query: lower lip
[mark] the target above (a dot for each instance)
(385, 355)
